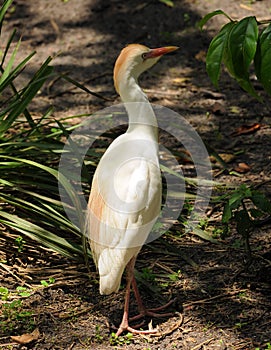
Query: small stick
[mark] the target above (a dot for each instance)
(203, 343)
(15, 276)
(220, 296)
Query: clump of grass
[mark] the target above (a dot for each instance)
(29, 156)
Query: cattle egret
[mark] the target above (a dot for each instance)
(125, 197)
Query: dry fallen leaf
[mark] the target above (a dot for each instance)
(201, 56)
(246, 129)
(27, 337)
(180, 81)
(249, 8)
(218, 108)
(226, 157)
(235, 109)
(242, 168)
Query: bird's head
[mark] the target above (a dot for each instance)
(135, 59)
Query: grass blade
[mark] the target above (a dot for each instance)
(3, 11)
(27, 95)
(43, 236)
(61, 178)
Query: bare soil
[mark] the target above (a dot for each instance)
(223, 303)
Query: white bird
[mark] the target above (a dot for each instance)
(125, 197)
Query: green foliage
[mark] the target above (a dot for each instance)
(23, 291)
(19, 242)
(98, 337)
(237, 45)
(267, 347)
(13, 314)
(147, 274)
(216, 52)
(121, 340)
(245, 206)
(31, 147)
(13, 310)
(4, 293)
(47, 283)
(262, 59)
(175, 276)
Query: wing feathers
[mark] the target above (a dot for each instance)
(120, 219)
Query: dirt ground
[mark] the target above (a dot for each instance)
(223, 305)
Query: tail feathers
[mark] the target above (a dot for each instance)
(110, 283)
(111, 265)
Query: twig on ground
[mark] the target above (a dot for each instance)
(6, 268)
(220, 296)
(201, 344)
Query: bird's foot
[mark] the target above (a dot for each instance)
(154, 312)
(125, 327)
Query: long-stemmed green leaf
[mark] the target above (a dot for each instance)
(243, 43)
(216, 51)
(262, 59)
(241, 49)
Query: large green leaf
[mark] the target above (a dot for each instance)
(262, 59)
(216, 51)
(241, 49)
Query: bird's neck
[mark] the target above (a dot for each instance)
(141, 115)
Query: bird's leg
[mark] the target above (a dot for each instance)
(124, 323)
(124, 326)
(148, 312)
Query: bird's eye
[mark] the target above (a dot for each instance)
(144, 56)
